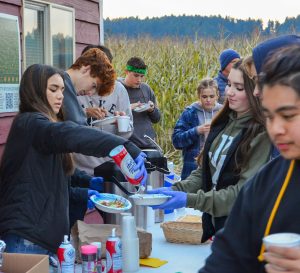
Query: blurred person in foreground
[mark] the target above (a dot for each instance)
(263, 51)
(36, 166)
(193, 125)
(141, 95)
(235, 149)
(260, 55)
(269, 202)
(227, 58)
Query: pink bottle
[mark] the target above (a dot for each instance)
(89, 258)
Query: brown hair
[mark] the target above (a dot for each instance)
(33, 98)
(255, 126)
(207, 83)
(101, 68)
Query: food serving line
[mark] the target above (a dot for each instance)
(185, 258)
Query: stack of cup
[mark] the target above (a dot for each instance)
(130, 245)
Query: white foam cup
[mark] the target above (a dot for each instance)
(282, 240)
(123, 123)
(288, 240)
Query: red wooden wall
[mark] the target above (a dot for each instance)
(86, 32)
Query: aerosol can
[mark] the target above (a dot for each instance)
(66, 257)
(113, 253)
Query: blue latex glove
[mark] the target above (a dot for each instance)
(159, 190)
(140, 167)
(178, 200)
(90, 204)
(96, 183)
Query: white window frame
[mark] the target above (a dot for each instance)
(48, 16)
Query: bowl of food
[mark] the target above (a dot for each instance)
(111, 203)
(149, 199)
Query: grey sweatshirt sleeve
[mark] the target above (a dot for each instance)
(191, 184)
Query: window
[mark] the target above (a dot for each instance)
(49, 34)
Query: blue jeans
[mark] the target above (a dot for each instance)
(17, 244)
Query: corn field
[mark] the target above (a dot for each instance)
(175, 68)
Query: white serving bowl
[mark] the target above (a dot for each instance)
(110, 199)
(149, 199)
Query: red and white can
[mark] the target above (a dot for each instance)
(113, 254)
(66, 257)
(126, 163)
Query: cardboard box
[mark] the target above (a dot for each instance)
(25, 263)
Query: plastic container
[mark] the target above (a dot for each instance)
(168, 182)
(126, 163)
(2, 248)
(98, 257)
(89, 258)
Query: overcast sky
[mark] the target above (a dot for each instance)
(240, 9)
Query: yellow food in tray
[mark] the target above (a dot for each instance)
(190, 219)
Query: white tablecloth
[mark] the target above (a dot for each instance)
(181, 257)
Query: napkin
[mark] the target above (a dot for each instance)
(152, 262)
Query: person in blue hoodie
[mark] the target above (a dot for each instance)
(227, 58)
(193, 125)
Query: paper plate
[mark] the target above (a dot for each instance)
(142, 108)
(111, 203)
(105, 121)
(149, 199)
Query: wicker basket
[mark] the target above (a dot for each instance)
(182, 232)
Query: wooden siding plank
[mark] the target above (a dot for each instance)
(87, 33)
(87, 11)
(10, 9)
(5, 123)
(13, 2)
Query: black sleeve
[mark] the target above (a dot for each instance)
(80, 179)
(77, 204)
(67, 137)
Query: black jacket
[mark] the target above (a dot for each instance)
(34, 190)
(236, 247)
(230, 176)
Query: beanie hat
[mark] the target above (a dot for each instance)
(264, 50)
(227, 56)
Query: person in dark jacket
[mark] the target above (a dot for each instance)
(235, 149)
(227, 58)
(36, 165)
(193, 125)
(263, 51)
(269, 202)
